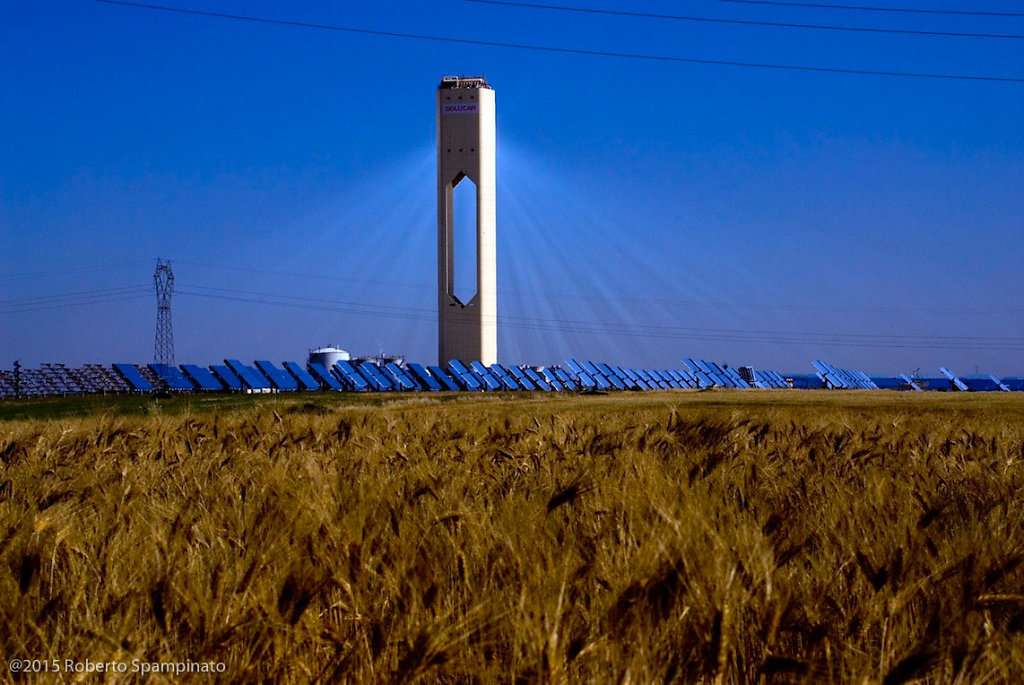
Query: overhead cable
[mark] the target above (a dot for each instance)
(528, 295)
(569, 51)
(70, 271)
(624, 330)
(907, 10)
(743, 22)
(63, 304)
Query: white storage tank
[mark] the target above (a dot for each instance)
(328, 356)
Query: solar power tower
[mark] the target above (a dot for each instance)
(468, 327)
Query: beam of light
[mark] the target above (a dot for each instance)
(567, 251)
(578, 276)
(373, 242)
(562, 240)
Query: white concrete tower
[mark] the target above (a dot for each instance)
(467, 330)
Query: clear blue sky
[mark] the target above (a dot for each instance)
(647, 211)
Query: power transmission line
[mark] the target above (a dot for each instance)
(560, 295)
(305, 275)
(621, 329)
(908, 10)
(45, 299)
(568, 51)
(79, 270)
(44, 302)
(74, 299)
(76, 303)
(743, 22)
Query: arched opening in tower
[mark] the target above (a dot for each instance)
(465, 236)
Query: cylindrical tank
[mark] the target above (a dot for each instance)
(328, 356)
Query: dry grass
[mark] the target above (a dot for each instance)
(713, 537)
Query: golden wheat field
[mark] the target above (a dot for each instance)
(722, 537)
